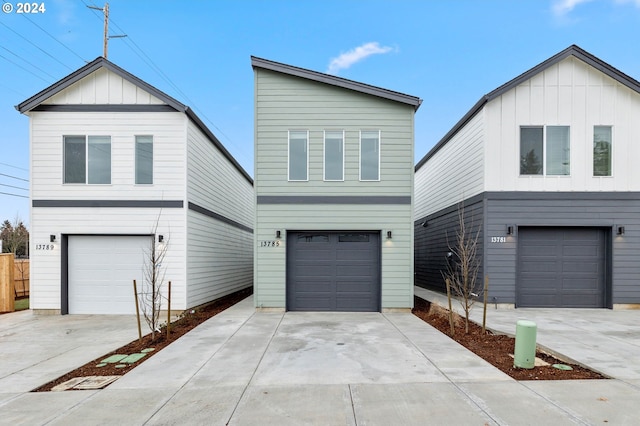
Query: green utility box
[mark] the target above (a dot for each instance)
(525, 351)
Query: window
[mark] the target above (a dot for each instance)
(545, 151)
(370, 155)
(87, 159)
(334, 155)
(298, 155)
(602, 143)
(144, 160)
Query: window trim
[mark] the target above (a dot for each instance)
(360, 154)
(289, 155)
(86, 159)
(544, 128)
(324, 155)
(611, 156)
(135, 160)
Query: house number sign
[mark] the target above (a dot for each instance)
(498, 239)
(46, 247)
(273, 243)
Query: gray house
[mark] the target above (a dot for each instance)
(544, 167)
(334, 190)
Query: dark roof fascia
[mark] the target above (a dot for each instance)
(336, 81)
(91, 67)
(196, 120)
(572, 50)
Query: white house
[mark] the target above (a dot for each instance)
(115, 166)
(334, 192)
(545, 167)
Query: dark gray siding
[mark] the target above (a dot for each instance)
(432, 242)
(574, 209)
(498, 210)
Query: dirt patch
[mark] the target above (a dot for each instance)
(189, 320)
(496, 348)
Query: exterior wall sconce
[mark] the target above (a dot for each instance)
(160, 238)
(52, 238)
(620, 230)
(389, 234)
(509, 229)
(278, 234)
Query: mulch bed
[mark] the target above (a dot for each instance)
(495, 348)
(189, 320)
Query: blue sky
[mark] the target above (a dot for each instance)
(449, 53)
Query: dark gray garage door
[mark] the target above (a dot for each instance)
(561, 267)
(333, 271)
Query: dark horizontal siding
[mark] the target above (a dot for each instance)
(433, 242)
(602, 210)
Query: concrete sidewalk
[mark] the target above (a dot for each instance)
(245, 368)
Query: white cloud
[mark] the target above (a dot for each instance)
(345, 60)
(562, 7)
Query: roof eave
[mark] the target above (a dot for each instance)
(572, 50)
(414, 101)
(86, 70)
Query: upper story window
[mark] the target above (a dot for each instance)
(334, 155)
(602, 144)
(370, 155)
(298, 155)
(87, 159)
(545, 150)
(144, 160)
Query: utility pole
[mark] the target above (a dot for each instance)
(105, 11)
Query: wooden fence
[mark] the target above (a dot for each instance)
(14, 281)
(21, 277)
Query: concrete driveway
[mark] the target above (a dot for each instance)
(247, 368)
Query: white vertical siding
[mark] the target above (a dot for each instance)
(103, 87)
(454, 173)
(568, 93)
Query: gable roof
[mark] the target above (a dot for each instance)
(336, 81)
(100, 62)
(572, 50)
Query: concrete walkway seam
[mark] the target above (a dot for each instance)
(255, 369)
(459, 389)
(201, 367)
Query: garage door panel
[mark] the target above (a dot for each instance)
(580, 285)
(585, 268)
(101, 273)
(575, 277)
(348, 264)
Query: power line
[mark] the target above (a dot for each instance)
(15, 187)
(49, 34)
(35, 66)
(14, 177)
(27, 70)
(14, 195)
(14, 167)
(36, 46)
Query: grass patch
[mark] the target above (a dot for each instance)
(22, 304)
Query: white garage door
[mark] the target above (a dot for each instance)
(101, 273)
